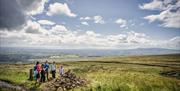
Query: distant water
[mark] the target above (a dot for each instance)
(21, 54)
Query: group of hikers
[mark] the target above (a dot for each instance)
(41, 71)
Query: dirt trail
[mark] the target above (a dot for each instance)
(10, 86)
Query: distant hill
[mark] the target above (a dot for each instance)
(9, 54)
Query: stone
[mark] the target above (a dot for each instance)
(67, 82)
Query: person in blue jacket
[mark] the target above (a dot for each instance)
(46, 68)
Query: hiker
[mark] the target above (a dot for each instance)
(43, 73)
(38, 70)
(35, 71)
(53, 70)
(61, 70)
(46, 67)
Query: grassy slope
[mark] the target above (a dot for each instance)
(138, 73)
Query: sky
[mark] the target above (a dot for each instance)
(101, 24)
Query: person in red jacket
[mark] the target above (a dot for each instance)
(38, 70)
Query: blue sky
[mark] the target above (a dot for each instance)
(111, 10)
(153, 22)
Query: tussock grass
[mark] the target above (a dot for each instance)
(136, 73)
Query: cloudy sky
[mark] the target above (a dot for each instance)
(103, 24)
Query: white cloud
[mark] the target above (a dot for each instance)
(35, 35)
(99, 19)
(137, 38)
(174, 42)
(58, 29)
(84, 23)
(85, 18)
(46, 22)
(33, 27)
(161, 5)
(59, 8)
(154, 5)
(121, 22)
(168, 19)
(39, 8)
(32, 7)
(92, 33)
(96, 19)
(169, 12)
(116, 39)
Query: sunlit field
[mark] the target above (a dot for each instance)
(135, 73)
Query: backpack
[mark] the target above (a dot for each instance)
(35, 68)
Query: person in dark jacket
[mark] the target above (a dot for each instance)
(43, 77)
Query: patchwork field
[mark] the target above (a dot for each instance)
(134, 73)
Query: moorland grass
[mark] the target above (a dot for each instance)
(136, 73)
